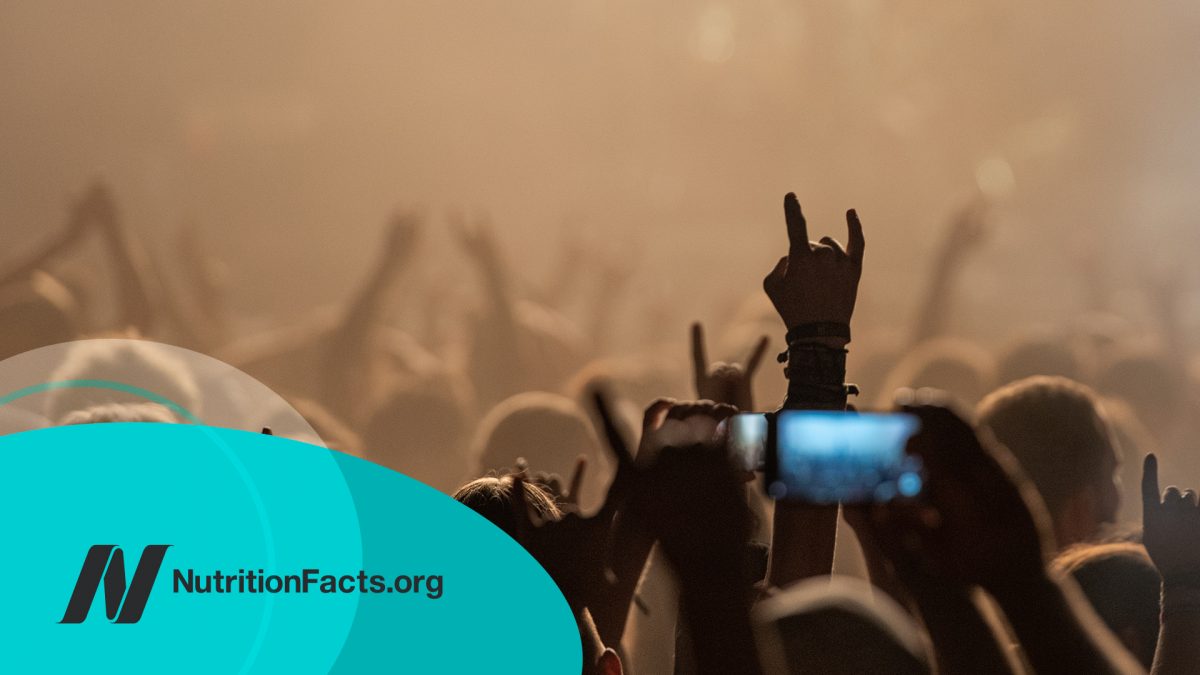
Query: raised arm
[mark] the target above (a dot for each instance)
(612, 288)
(478, 240)
(1171, 533)
(54, 246)
(499, 364)
(964, 236)
(963, 641)
(205, 278)
(689, 496)
(814, 289)
(981, 523)
(137, 302)
(350, 348)
(595, 559)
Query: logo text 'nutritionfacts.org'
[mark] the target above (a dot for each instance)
(125, 603)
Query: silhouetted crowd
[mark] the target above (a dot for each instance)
(1039, 542)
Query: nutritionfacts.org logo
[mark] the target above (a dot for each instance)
(104, 566)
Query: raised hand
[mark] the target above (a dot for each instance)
(564, 494)
(403, 236)
(816, 282)
(81, 218)
(687, 493)
(978, 520)
(97, 206)
(1171, 533)
(725, 382)
(139, 299)
(1170, 527)
(692, 500)
(671, 423)
(476, 238)
(968, 229)
(575, 550)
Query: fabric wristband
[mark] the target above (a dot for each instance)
(817, 330)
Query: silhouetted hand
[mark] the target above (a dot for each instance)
(671, 423)
(476, 239)
(564, 493)
(403, 236)
(1170, 527)
(978, 520)
(725, 382)
(968, 230)
(687, 493)
(815, 281)
(575, 549)
(97, 207)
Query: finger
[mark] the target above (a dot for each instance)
(1172, 496)
(1150, 492)
(722, 411)
(699, 358)
(616, 443)
(522, 523)
(856, 243)
(621, 484)
(681, 411)
(797, 228)
(777, 273)
(576, 485)
(1189, 496)
(656, 412)
(834, 244)
(756, 356)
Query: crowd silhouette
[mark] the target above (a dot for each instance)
(1029, 550)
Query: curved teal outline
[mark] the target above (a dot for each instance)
(101, 384)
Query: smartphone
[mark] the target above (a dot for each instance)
(748, 440)
(826, 457)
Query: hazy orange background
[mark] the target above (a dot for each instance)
(288, 130)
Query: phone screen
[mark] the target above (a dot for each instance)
(748, 440)
(825, 457)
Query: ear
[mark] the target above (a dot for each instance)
(609, 663)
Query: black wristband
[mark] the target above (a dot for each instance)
(797, 335)
(815, 363)
(801, 396)
(818, 329)
(816, 376)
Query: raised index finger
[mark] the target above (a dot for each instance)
(576, 484)
(616, 441)
(797, 228)
(1150, 492)
(699, 357)
(522, 520)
